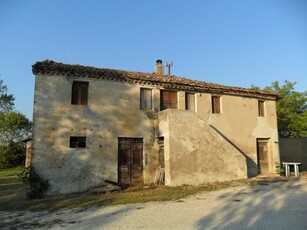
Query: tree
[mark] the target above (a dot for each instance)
(291, 109)
(6, 100)
(14, 126)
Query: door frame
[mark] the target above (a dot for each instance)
(267, 141)
(130, 141)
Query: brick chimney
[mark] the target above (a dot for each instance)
(159, 68)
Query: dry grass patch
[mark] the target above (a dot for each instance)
(13, 195)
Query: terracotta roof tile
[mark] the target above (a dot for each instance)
(48, 67)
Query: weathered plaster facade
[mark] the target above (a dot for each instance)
(199, 146)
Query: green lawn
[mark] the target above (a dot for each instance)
(10, 172)
(13, 195)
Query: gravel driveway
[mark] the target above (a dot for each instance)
(279, 205)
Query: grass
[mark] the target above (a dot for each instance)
(13, 195)
(10, 172)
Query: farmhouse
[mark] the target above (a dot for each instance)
(95, 124)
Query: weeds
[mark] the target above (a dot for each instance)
(38, 185)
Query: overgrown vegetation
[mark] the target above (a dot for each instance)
(38, 185)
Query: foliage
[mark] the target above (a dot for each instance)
(14, 127)
(279, 168)
(38, 185)
(6, 100)
(12, 155)
(291, 109)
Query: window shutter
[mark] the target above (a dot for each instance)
(74, 94)
(190, 101)
(79, 95)
(84, 94)
(216, 104)
(260, 108)
(168, 100)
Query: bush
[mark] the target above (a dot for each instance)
(12, 155)
(38, 185)
(279, 168)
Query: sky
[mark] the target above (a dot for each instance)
(229, 42)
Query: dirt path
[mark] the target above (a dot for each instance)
(280, 205)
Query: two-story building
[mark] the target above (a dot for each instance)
(92, 124)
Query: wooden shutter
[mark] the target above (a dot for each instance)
(74, 94)
(261, 108)
(168, 100)
(84, 93)
(79, 94)
(216, 104)
(190, 101)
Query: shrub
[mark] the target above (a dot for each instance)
(279, 168)
(12, 155)
(38, 185)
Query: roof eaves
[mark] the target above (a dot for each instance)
(54, 68)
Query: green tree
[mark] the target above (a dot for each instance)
(291, 109)
(6, 100)
(14, 126)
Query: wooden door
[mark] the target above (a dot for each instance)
(262, 155)
(130, 158)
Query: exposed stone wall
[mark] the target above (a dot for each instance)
(192, 139)
(113, 111)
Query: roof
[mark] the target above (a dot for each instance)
(52, 68)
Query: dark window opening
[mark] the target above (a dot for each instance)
(190, 101)
(79, 95)
(261, 108)
(77, 142)
(216, 104)
(146, 99)
(168, 99)
(161, 151)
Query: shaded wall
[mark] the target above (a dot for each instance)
(294, 150)
(113, 111)
(195, 153)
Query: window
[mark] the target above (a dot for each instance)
(77, 142)
(216, 104)
(146, 99)
(190, 101)
(168, 99)
(261, 108)
(79, 95)
(161, 152)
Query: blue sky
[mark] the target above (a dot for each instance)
(229, 42)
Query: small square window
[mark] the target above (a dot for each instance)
(146, 99)
(216, 104)
(77, 142)
(261, 108)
